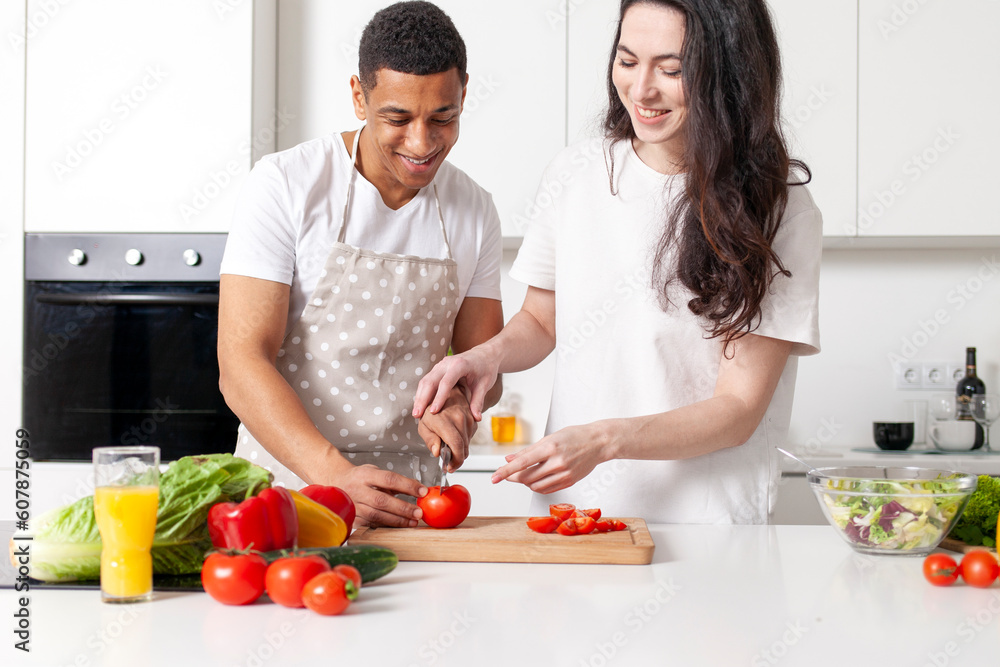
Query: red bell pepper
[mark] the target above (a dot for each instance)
(333, 499)
(242, 526)
(263, 523)
(282, 518)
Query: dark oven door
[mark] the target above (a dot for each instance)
(123, 364)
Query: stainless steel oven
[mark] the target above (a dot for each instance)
(120, 344)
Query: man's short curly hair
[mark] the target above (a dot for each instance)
(412, 38)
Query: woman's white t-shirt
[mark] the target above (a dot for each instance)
(292, 203)
(618, 354)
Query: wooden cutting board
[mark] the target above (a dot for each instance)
(509, 540)
(961, 547)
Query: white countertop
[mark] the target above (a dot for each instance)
(487, 458)
(715, 595)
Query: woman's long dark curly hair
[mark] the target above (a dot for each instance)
(735, 160)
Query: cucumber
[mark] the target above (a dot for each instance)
(372, 562)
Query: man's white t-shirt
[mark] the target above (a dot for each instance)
(618, 354)
(292, 203)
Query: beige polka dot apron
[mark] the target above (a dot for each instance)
(375, 323)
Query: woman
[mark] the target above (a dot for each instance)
(676, 277)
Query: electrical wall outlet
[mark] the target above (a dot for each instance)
(909, 375)
(928, 375)
(935, 376)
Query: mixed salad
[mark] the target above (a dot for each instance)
(892, 514)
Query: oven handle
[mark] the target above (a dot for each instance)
(151, 299)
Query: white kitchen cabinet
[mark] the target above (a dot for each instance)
(818, 42)
(928, 134)
(796, 503)
(514, 119)
(145, 116)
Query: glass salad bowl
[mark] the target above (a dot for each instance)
(880, 510)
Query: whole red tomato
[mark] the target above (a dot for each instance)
(979, 569)
(286, 577)
(334, 499)
(236, 579)
(329, 593)
(447, 507)
(940, 569)
(349, 572)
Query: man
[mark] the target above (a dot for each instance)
(354, 262)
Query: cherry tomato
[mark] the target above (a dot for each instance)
(447, 507)
(286, 577)
(234, 579)
(940, 570)
(563, 510)
(577, 526)
(979, 569)
(543, 524)
(329, 593)
(333, 499)
(349, 572)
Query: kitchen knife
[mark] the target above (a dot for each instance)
(445, 462)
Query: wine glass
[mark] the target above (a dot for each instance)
(943, 407)
(985, 408)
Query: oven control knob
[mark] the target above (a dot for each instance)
(191, 257)
(133, 257)
(77, 257)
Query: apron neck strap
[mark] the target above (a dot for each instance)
(350, 191)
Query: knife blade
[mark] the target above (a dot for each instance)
(445, 462)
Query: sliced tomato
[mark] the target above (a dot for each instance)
(594, 514)
(577, 526)
(563, 511)
(603, 526)
(543, 524)
(617, 524)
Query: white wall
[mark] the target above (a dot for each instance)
(930, 304)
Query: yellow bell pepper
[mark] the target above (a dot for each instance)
(318, 525)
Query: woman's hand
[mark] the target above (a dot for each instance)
(452, 427)
(373, 492)
(559, 460)
(477, 369)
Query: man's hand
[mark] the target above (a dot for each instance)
(453, 426)
(373, 492)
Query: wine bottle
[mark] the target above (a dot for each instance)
(967, 386)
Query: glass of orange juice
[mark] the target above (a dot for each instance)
(126, 496)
